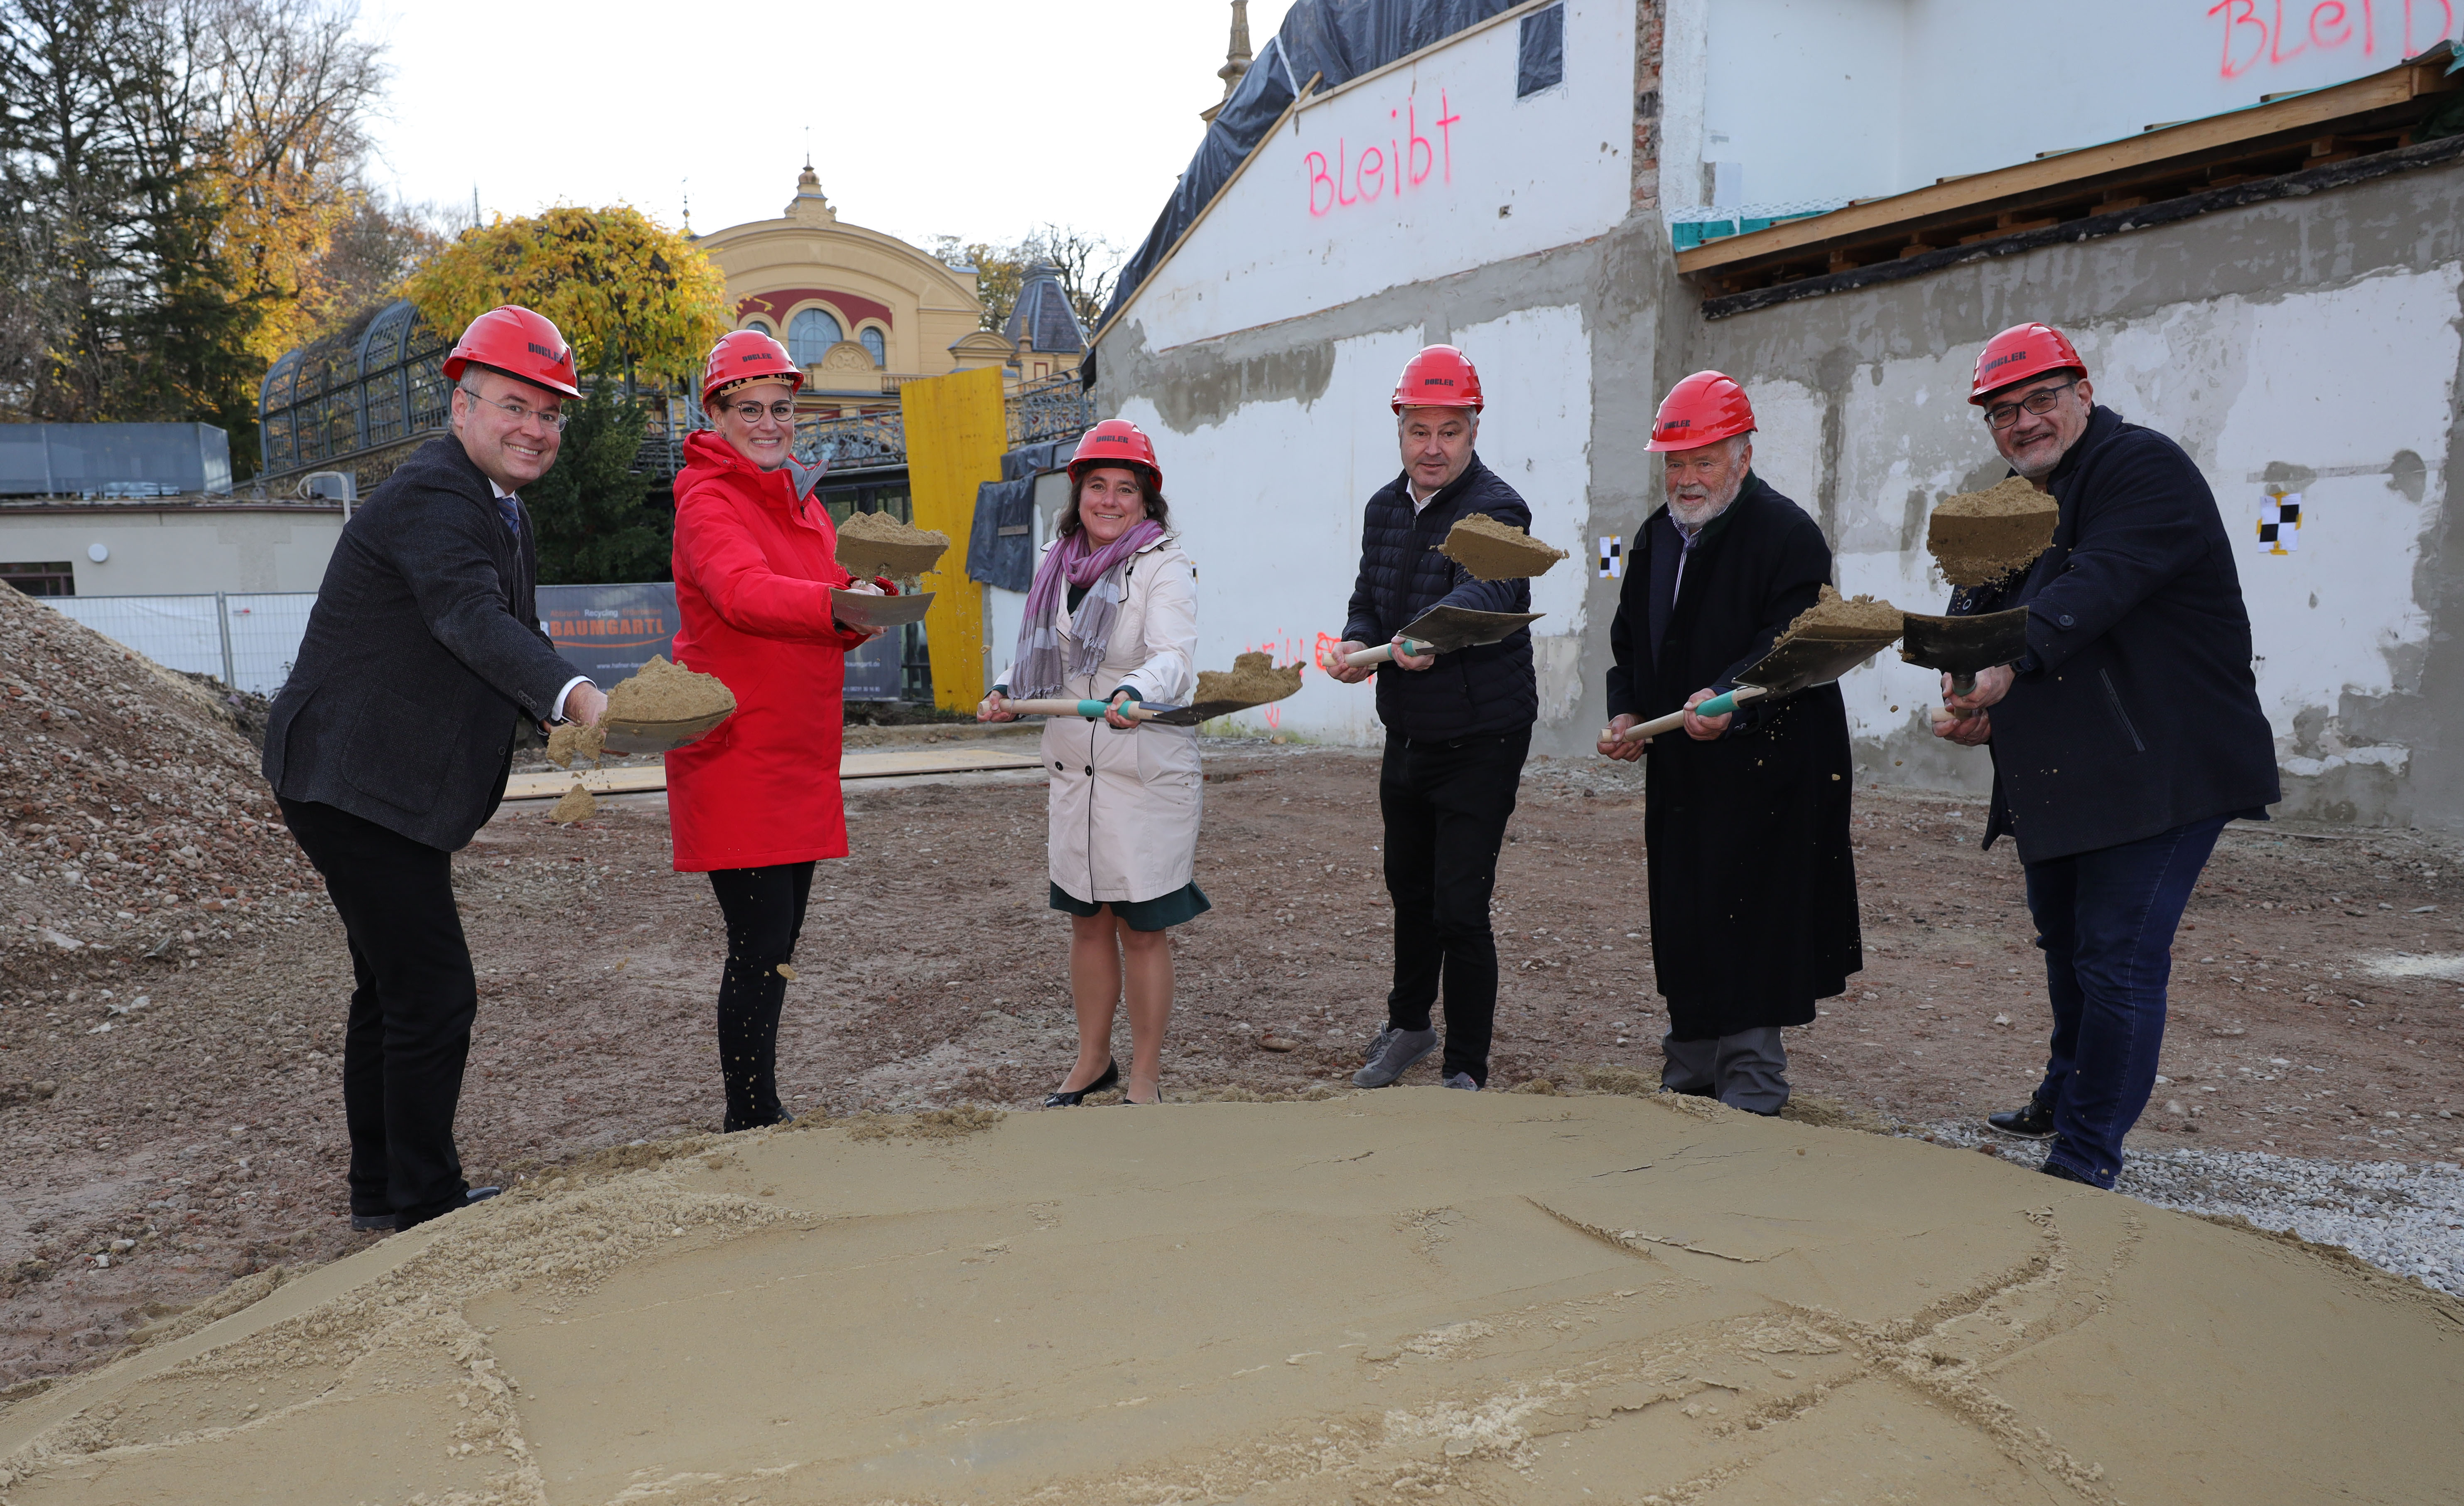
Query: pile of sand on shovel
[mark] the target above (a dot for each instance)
(1835, 616)
(876, 544)
(660, 693)
(1496, 551)
(1980, 537)
(1252, 679)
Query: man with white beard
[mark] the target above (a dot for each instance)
(1754, 890)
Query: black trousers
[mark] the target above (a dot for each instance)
(764, 909)
(412, 1001)
(1446, 804)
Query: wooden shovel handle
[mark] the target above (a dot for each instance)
(1716, 706)
(1092, 710)
(1381, 653)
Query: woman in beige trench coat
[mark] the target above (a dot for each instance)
(1112, 616)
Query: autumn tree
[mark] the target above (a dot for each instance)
(172, 176)
(620, 287)
(1088, 266)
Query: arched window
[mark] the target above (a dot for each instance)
(758, 326)
(809, 333)
(875, 342)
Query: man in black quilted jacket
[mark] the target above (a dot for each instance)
(1458, 724)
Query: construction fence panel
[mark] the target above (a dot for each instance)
(266, 629)
(180, 632)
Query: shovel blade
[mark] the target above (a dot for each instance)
(1965, 645)
(1448, 628)
(1809, 659)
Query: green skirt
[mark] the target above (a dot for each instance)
(1185, 903)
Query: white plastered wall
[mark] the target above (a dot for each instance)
(1504, 177)
(2358, 425)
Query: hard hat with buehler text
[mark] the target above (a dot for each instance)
(522, 345)
(1701, 410)
(748, 355)
(1116, 441)
(2022, 353)
(1439, 376)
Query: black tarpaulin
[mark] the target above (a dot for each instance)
(1333, 40)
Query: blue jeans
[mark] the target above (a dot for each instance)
(2104, 920)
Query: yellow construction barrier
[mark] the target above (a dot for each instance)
(956, 430)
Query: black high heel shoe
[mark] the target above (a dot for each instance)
(1070, 1099)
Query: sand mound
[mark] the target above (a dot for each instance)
(1833, 615)
(1495, 551)
(876, 544)
(1377, 1297)
(130, 807)
(1980, 537)
(660, 692)
(1252, 680)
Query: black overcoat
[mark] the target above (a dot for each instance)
(423, 657)
(1753, 888)
(2135, 709)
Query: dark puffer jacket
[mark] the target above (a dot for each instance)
(1470, 691)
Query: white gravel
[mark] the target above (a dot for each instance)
(2406, 1220)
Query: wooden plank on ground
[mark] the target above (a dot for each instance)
(649, 778)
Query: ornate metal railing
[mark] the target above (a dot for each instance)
(1057, 409)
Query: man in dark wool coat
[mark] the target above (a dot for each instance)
(390, 744)
(2124, 738)
(1753, 891)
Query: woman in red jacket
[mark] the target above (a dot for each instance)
(757, 802)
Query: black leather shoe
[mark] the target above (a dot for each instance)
(401, 1221)
(370, 1223)
(1073, 1097)
(2055, 1168)
(2036, 1121)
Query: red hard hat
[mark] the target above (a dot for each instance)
(2021, 353)
(1439, 376)
(520, 344)
(1115, 441)
(748, 355)
(1699, 409)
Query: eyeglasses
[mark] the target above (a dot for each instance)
(753, 412)
(556, 422)
(2040, 402)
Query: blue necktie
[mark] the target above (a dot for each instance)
(511, 507)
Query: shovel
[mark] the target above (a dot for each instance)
(1188, 716)
(1961, 646)
(1796, 663)
(1442, 630)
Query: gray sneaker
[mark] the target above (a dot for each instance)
(1393, 1054)
(1462, 1079)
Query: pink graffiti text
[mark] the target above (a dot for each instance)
(1407, 161)
(2277, 32)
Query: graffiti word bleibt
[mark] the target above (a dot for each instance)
(1407, 161)
(2273, 32)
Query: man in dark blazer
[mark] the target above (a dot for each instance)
(390, 743)
(2122, 741)
(1458, 725)
(1753, 887)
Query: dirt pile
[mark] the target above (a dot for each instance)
(578, 804)
(1836, 616)
(1252, 680)
(1601, 1288)
(131, 813)
(1495, 551)
(876, 544)
(660, 694)
(1980, 537)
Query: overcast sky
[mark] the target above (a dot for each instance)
(964, 117)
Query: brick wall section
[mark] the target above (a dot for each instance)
(1649, 20)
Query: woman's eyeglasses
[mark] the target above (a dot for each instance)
(754, 412)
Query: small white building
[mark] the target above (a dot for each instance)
(165, 545)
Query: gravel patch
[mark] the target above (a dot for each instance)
(2406, 1219)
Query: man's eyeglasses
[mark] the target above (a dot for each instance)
(753, 412)
(521, 414)
(2040, 402)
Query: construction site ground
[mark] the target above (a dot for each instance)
(2317, 1010)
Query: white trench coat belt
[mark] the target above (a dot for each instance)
(1125, 806)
